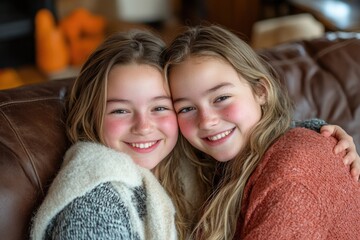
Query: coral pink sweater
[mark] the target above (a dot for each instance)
(301, 190)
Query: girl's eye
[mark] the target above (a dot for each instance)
(119, 111)
(222, 98)
(186, 109)
(160, 109)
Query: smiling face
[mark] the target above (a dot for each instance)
(139, 118)
(215, 106)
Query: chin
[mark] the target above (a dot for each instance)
(222, 158)
(146, 163)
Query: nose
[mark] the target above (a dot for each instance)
(207, 119)
(142, 124)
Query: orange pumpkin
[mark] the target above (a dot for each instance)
(83, 31)
(52, 54)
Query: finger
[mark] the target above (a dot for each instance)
(345, 140)
(343, 145)
(350, 158)
(355, 172)
(335, 131)
(327, 130)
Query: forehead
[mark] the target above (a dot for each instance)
(200, 73)
(203, 67)
(135, 74)
(199, 62)
(135, 79)
(203, 57)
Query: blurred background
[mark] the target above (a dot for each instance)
(46, 45)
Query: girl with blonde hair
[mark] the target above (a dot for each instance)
(123, 129)
(269, 180)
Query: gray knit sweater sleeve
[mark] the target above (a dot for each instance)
(313, 124)
(100, 214)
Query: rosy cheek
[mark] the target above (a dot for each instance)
(232, 112)
(112, 128)
(169, 124)
(244, 115)
(186, 127)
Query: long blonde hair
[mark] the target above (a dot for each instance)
(87, 102)
(223, 206)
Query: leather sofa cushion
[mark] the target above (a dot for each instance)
(32, 143)
(323, 78)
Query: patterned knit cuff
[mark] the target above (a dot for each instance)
(313, 124)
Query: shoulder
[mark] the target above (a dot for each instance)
(301, 143)
(301, 153)
(100, 213)
(102, 199)
(88, 166)
(300, 181)
(303, 138)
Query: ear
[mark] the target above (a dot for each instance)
(261, 91)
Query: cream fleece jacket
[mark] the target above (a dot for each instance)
(86, 169)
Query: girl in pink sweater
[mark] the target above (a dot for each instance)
(272, 181)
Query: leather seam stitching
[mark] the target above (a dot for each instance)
(333, 48)
(7, 103)
(38, 182)
(26, 152)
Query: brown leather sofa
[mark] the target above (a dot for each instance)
(322, 75)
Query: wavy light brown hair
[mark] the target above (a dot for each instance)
(87, 102)
(222, 208)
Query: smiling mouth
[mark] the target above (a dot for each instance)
(143, 145)
(220, 135)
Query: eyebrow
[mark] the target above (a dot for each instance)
(157, 98)
(213, 89)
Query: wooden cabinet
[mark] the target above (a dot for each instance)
(238, 15)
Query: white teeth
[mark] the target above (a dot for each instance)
(142, 145)
(219, 136)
